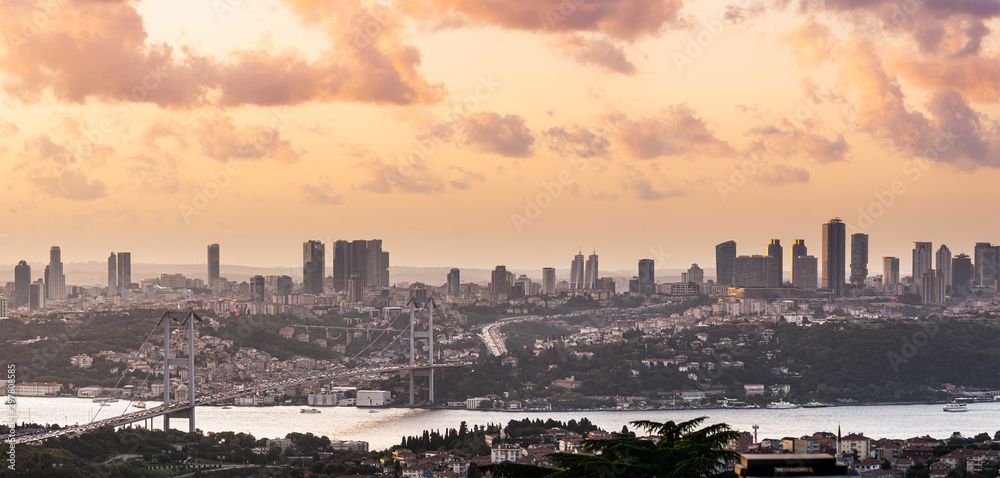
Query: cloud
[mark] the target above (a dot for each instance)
(577, 140)
(599, 52)
(154, 173)
(976, 76)
(318, 194)
(7, 128)
(952, 133)
(54, 170)
(100, 50)
(787, 139)
(779, 175)
(220, 138)
(674, 131)
(621, 19)
(810, 41)
(641, 188)
(505, 135)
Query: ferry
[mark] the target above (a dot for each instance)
(139, 404)
(309, 410)
(105, 400)
(781, 405)
(815, 405)
(955, 407)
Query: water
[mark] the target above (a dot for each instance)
(386, 427)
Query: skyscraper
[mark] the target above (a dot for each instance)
(36, 295)
(576, 272)
(313, 267)
(373, 268)
(942, 262)
(548, 280)
(647, 277)
(859, 258)
(56, 282)
(775, 250)
(213, 266)
(798, 249)
(696, 274)
(932, 288)
(725, 262)
(3, 307)
(455, 282)
(987, 257)
(756, 271)
(257, 289)
(124, 270)
(890, 271)
(342, 253)
(356, 288)
(923, 252)
(499, 281)
(112, 275)
(834, 256)
(22, 284)
(804, 272)
(590, 272)
(962, 274)
(383, 275)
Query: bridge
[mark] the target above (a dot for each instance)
(184, 407)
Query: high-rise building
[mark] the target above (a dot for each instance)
(932, 288)
(257, 289)
(590, 272)
(356, 288)
(775, 250)
(500, 281)
(383, 275)
(22, 284)
(112, 274)
(798, 249)
(962, 273)
(313, 267)
(342, 254)
(804, 272)
(695, 274)
(36, 295)
(647, 277)
(576, 272)
(213, 266)
(284, 285)
(890, 271)
(987, 257)
(548, 280)
(524, 284)
(756, 271)
(455, 282)
(725, 262)
(859, 258)
(55, 283)
(373, 269)
(124, 270)
(3, 307)
(834, 256)
(923, 254)
(942, 263)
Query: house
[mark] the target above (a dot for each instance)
(506, 452)
(754, 389)
(855, 442)
(879, 473)
(570, 383)
(940, 470)
(868, 464)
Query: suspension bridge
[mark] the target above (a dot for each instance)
(184, 407)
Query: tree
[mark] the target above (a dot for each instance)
(684, 450)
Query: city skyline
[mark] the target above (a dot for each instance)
(534, 129)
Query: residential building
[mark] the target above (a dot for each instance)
(923, 254)
(834, 256)
(859, 258)
(775, 250)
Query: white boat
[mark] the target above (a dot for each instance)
(139, 404)
(781, 405)
(815, 405)
(105, 400)
(955, 407)
(308, 410)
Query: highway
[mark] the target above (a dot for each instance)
(493, 338)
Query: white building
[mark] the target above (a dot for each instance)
(374, 398)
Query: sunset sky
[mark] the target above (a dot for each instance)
(481, 132)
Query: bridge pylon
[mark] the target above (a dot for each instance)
(415, 305)
(184, 320)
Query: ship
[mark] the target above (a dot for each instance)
(781, 405)
(309, 410)
(226, 407)
(139, 404)
(955, 407)
(815, 405)
(105, 400)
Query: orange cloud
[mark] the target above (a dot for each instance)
(505, 135)
(674, 131)
(54, 170)
(600, 52)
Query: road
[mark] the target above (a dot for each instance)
(493, 338)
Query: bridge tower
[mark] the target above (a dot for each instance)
(183, 320)
(415, 305)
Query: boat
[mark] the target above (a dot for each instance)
(139, 404)
(309, 410)
(226, 407)
(372, 411)
(105, 400)
(781, 405)
(955, 407)
(815, 405)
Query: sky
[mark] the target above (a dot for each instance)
(481, 132)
